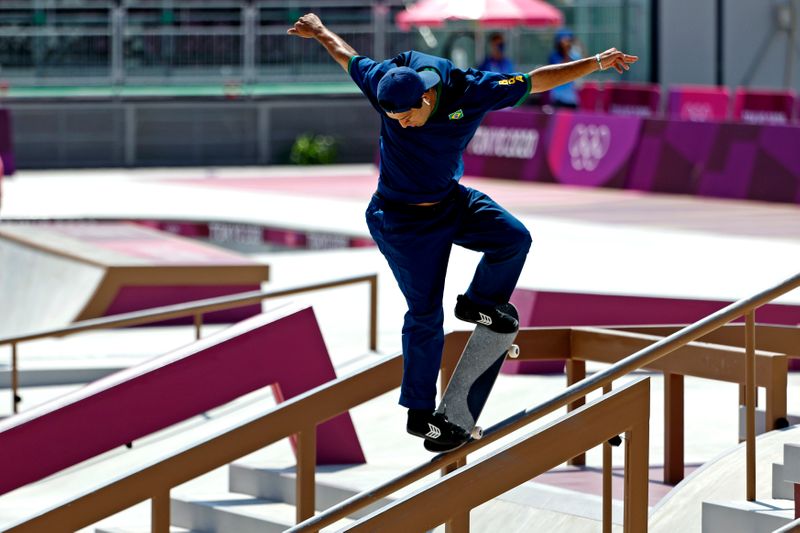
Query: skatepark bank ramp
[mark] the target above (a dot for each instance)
(53, 274)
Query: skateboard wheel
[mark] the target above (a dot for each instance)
(476, 433)
(513, 352)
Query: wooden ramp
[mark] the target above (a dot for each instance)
(720, 479)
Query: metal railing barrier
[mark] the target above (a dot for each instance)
(196, 309)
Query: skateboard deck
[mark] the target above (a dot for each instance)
(475, 374)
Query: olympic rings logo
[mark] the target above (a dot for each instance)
(588, 144)
(698, 111)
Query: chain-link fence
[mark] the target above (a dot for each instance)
(133, 42)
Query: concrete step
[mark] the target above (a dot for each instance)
(146, 529)
(233, 513)
(509, 517)
(761, 421)
(762, 516)
(334, 483)
(337, 483)
(557, 500)
(791, 461)
(785, 475)
(781, 489)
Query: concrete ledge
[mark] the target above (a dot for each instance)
(763, 516)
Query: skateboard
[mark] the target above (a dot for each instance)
(474, 376)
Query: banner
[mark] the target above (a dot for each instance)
(698, 104)
(722, 160)
(718, 159)
(509, 145)
(592, 150)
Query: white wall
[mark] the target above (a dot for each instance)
(687, 41)
(748, 26)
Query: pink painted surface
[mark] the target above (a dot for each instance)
(590, 97)
(356, 186)
(698, 103)
(185, 229)
(575, 309)
(138, 297)
(637, 99)
(525, 302)
(264, 350)
(261, 234)
(490, 13)
(764, 106)
(543, 308)
(589, 480)
(285, 237)
(591, 149)
(138, 243)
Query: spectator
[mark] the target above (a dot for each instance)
(496, 61)
(564, 95)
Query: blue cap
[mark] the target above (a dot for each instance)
(401, 88)
(564, 33)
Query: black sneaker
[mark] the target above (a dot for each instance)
(435, 427)
(492, 317)
(439, 448)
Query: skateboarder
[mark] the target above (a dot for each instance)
(429, 112)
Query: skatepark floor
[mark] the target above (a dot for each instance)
(576, 251)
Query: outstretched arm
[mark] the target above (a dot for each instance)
(551, 76)
(309, 26)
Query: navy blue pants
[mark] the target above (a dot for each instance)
(416, 241)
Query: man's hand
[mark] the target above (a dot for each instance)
(550, 76)
(619, 60)
(308, 26)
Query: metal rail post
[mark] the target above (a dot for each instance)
(750, 400)
(607, 489)
(15, 399)
(306, 472)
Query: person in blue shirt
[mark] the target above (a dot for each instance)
(496, 61)
(429, 112)
(566, 94)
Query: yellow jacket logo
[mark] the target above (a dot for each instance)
(456, 115)
(511, 81)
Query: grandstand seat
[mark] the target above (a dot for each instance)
(640, 99)
(698, 103)
(764, 106)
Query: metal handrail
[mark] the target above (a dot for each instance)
(626, 410)
(197, 309)
(791, 527)
(156, 479)
(577, 391)
(339, 396)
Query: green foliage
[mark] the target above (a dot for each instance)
(309, 149)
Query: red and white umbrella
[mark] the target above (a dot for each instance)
(494, 13)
